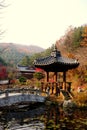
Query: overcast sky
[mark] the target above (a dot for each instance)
(41, 22)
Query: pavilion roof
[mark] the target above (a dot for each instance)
(56, 63)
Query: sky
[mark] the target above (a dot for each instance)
(40, 22)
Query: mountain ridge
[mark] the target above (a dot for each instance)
(13, 52)
(25, 48)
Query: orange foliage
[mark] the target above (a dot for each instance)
(84, 36)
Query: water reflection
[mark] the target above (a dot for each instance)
(44, 118)
(68, 111)
(20, 118)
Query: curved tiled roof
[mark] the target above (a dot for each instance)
(55, 62)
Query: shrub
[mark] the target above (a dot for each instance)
(39, 75)
(22, 79)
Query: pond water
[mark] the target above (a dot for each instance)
(44, 118)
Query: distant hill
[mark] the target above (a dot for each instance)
(13, 53)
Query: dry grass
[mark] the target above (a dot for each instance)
(81, 98)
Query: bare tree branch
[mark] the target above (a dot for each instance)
(3, 4)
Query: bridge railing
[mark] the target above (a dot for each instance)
(8, 91)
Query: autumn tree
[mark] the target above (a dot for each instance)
(84, 36)
(3, 72)
(72, 38)
(67, 39)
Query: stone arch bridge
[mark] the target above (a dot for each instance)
(17, 96)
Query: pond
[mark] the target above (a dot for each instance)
(43, 117)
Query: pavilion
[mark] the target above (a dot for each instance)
(56, 63)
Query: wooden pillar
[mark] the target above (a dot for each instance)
(47, 76)
(55, 76)
(55, 80)
(42, 86)
(64, 80)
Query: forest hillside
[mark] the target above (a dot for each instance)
(74, 45)
(12, 53)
